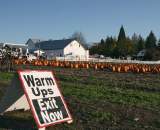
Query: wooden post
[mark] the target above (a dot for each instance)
(42, 128)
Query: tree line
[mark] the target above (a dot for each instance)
(124, 46)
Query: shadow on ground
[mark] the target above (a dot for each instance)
(8, 123)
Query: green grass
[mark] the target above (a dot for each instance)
(4, 76)
(89, 93)
(105, 100)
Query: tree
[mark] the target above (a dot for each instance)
(122, 35)
(124, 48)
(141, 44)
(101, 47)
(110, 45)
(79, 37)
(129, 47)
(150, 41)
(135, 39)
(152, 54)
(94, 49)
(158, 43)
(105, 48)
(123, 44)
(102, 42)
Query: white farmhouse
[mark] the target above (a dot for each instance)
(63, 48)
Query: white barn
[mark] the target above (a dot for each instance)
(63, 48)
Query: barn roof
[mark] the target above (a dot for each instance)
(53, 44)
(34, 40)
(13, 45)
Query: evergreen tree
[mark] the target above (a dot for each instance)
(102, 42)
(121, 44)
(110, 44)
(158, 43)
(124, 48)
(141, 44)
(94, 49)
(150, 41)
(122, 35)
(135, 38)
(129, 47)
(101, 49)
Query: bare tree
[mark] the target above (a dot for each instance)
(79, 37)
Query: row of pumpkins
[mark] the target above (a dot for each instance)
(115, 67)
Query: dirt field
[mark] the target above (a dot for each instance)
(99, 100)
